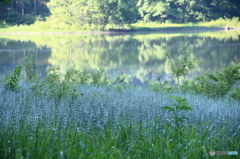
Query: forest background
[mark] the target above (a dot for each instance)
(103, 14)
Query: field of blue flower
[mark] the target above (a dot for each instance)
(83, 115)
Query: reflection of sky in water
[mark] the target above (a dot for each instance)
(140, 58)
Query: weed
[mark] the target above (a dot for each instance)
(235, 94)
(97, 78)
(160, 85)
(178, 129)
(59, 87)
(54, 84)
(120, 84)
(30, 67)
(184, 64)
(119, 79)
(215, 85)
(12, 80)
(76, 76)
(180, 105)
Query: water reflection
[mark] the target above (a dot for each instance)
(139, 56)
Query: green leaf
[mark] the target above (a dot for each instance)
(168, 108)
(174, 97)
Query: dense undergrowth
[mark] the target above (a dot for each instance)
(83, 115)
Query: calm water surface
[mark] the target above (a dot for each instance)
(138, 56)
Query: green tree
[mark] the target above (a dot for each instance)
(180, 11)
(151, 10)
(61, 11)
(94, 12)
(23, 11)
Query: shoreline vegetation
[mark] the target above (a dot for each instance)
(40, 27)
(138, 29)
(112, 31)
(83, 115)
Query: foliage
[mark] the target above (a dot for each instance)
(179, 129)
(94, 14)
(108, 125)
(24, 11)
(77, 76)
(63, 85)
(54, 84)
(160, 85)
(235, 94)
(180, 11)
(180, 105)
(120, 84)
(184, 64)
(12, 80)
(99, 15)
(215, 85)
(104, 123)
(107, 15)
(17, 19)
(222, 22)
(119, 79)
(97, 77)
(227, 23)
(58, 85)
(30, 67)
(124, 142)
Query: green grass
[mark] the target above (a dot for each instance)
(222, 22)
(32, 29)
(123, 142)
(211, 25)
(151, 26)
(51, 27)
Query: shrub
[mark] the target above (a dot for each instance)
(160, 85)
(184, 64)
(77, 76)
(97, 77)
(180, 105)
(14, 18)
(235, 94)
(30, 67)
(12, 80)
(215, 85)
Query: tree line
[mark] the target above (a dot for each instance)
(116, 12)
(15, 12)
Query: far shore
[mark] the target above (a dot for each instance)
(182, 29)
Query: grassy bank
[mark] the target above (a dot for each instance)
(83, 115)
(212, 25)
(41, 26)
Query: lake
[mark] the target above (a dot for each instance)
(139, 56)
